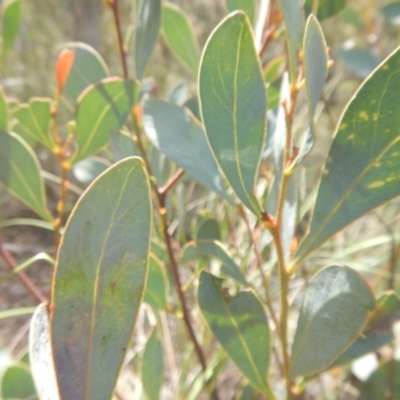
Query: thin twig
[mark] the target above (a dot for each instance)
(161, 194)
(12, 264)
(115, 9)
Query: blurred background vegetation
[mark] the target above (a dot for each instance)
(360, 36)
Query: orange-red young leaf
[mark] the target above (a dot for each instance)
(63, 67)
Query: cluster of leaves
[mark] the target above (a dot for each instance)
(120, 246)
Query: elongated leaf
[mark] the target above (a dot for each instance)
(362, 168)
(248, 6)
(40, 355)
(233, 104)
(334, 312)
(384, 383)
(294, 21)
(17, 383)
(172, 130)
(11, 15)
(277, 142)
(102, 110)
(157, 284)
(20, 173)
(153, 367)
(33, 121)
(148, 26)
(315, 62)
(179, 35)
(240, 325)
(315, 72)
(4, 112)
(87, 68)
(99, 281)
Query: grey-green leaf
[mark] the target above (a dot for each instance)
(180, 137)
(334, 312)
(362, 166)
(315, 72)
(233, 104)
(87, 68)
(240, 325)
(148, 26)
(294, 21)
(100, 280)
(20, 173)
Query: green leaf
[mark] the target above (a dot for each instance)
(233, 104)
(20, 173)
(4, 111)
(40, 355)
(315, 62)
(148, 26)
(99, 281)
(379, 330)
(273, 70)
(153, 367)
(248, 6)
(362, 169)
(11, 15)
(179, 35)
(384, 383)
(208, 229)
(17, 383)
(391, 12)
(359, 60)
(33, 122)
(326, 8)
(156, 293)
(315, 73)
(294, 21)
(180, 137)
(334, 312)
(240, 325)
(102, 109)
(216, 249)
(87, 68)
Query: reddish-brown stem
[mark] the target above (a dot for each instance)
(26, 281)
(174, 178)
(115, 9)
(161, 194)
